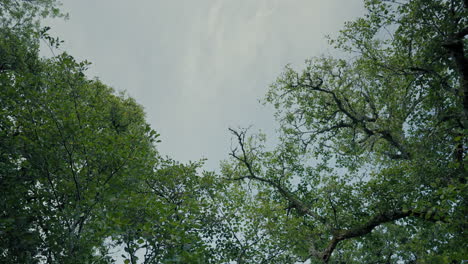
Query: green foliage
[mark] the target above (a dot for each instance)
(79, 172)
(371, 165)
(373, 144)
(169, 217)
(71, 145)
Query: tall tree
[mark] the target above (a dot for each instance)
(169, 218)
(79, 172)
(372, 163)
(69, 144)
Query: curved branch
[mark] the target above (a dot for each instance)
(357, 119)
(367, 227)
(295, 202)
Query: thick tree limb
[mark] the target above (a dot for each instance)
(456, 48)
(367, 227)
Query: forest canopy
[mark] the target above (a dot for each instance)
(371, 164)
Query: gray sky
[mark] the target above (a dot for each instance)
(199, 66)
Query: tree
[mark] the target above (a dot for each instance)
(372, 163)
(371, 168)
(70, 144)
(79, 171)
(169, 218)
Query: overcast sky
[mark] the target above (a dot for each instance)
(199, 66)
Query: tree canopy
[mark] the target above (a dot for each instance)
(79, 172)
(371, 164)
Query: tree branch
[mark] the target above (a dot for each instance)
(367, 227)
(361, 119)
(295, 203)
(456, 48)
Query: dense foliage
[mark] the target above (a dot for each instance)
(373, 162)
(80, 177)
(371, 166)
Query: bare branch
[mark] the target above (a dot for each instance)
(294, 201)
